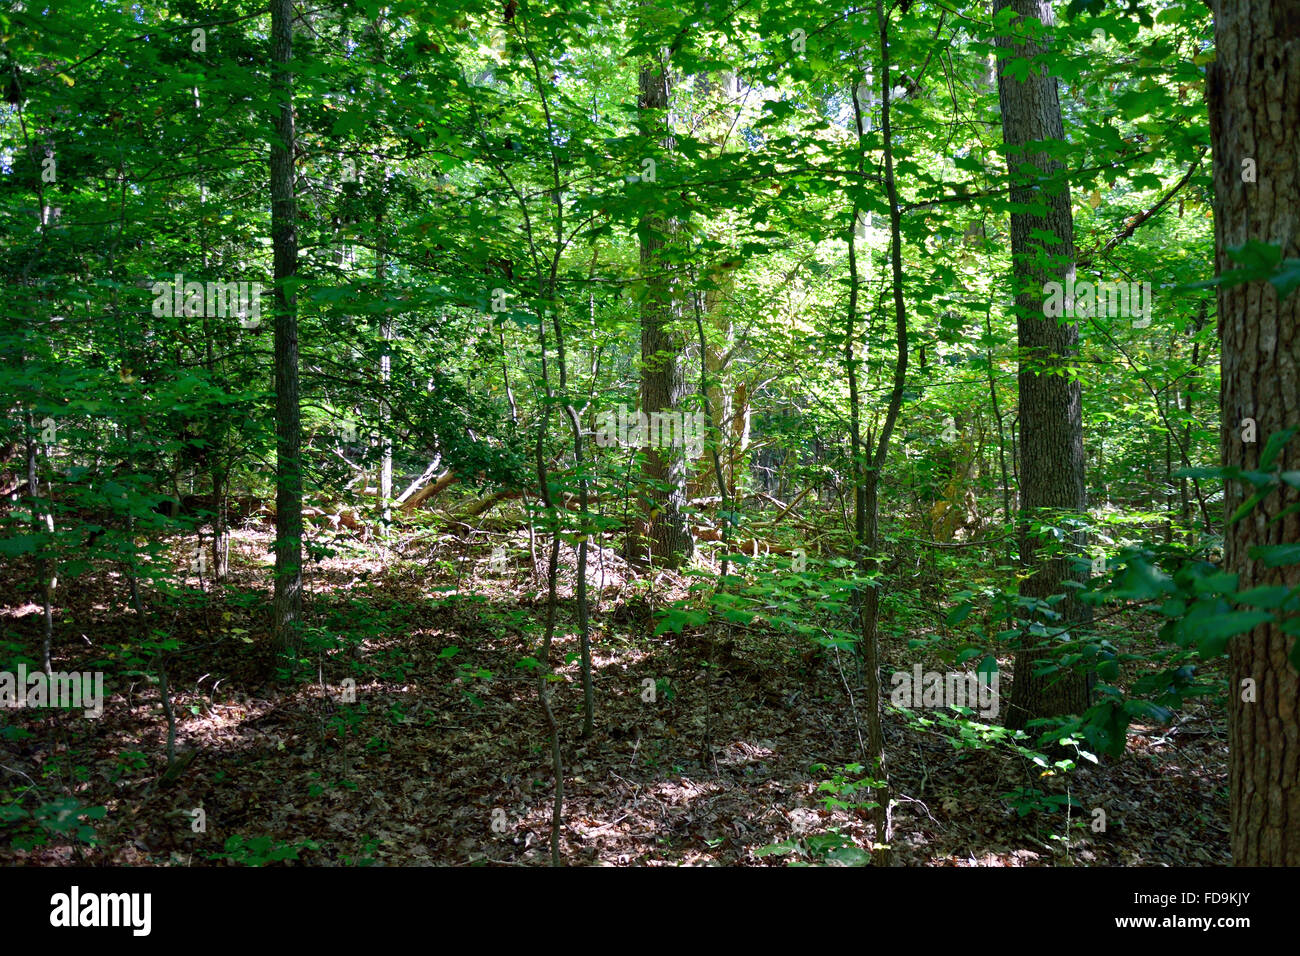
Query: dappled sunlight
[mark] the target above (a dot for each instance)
(755, 435)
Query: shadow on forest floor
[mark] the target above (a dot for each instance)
(440, 745)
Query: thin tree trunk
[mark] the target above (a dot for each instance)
(287, 607)
(385, 374)
(1201, 315)
(552, 580)
(867, 470)
(44, 565)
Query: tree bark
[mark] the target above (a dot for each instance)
(1253, 93)
(1051, 405)
(287, 606)
(663, 379)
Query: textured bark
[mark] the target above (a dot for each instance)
(716, 351)
(284, 243)
(663, 379)
(740, 417)
(1051, 406)
(1253, 91)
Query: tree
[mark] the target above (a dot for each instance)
(868, 462)
(1051, 402)
(284, 243)
(1256, 194)
(663, 379)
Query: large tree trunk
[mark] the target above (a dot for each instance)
(663, 380)
(1051, 415)
(284, 243)
(1254, 98)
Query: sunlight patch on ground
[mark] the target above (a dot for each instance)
(740, 752)
(21, 610)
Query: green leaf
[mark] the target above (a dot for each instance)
(17, 544)
(785, 846)
(1248, 506)
(1277, 555)
(1266, 596)
(1273, 447)
(1213, 634)
(959, 613)
(848, 856)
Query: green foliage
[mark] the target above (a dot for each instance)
(64, 818)
(831, 848)
(1027, 800)
(474, 202)
(1199, 607)
(845, 786)
(260, 850)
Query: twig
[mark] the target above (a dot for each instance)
(34, 784)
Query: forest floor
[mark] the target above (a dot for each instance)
(444, 758)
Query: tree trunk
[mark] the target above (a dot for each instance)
(997, 416)
(869, 462)
(385, 410)
(41, 525)
(284, 242)
(663, 380)
(1051, 407)
(716, 352)
(1254, 98)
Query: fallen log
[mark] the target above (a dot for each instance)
(750, 546)
(335, 519)
(425, 493)
(483, 504)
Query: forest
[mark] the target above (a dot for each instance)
(571, 433)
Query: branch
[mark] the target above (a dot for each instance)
(1138, 220)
